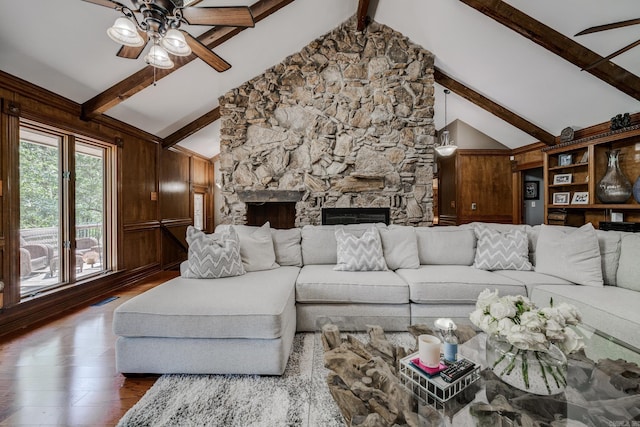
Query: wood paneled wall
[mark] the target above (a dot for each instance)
(475, 185)
(154, 198)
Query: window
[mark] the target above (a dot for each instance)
(65, 190)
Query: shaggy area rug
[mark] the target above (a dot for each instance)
(300, 397)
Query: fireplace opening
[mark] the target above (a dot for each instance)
(279, 214)
(331, 216)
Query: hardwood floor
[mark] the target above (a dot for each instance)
(63, 372)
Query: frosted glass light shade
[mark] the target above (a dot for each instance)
(175, 44)
(446, 150)
(125, 32)
(446, 147)
(158, 57)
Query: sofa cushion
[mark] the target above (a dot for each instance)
(455, 284)
(610, 309)
(256, 249)
(507, 250)
(213, 256)
(628, 275)
(319, 244)
(286, 244)
(321, 283)
(573, 255)
(255, 305)
(531, 279)
(400, 246)
(362, 253)
(446, 245)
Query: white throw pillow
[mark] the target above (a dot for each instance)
(213, 256)
(286, 244)
(507, 250)
(256, 249)
(628, 275)
(400, 247)
(359, 253)
(571, 255)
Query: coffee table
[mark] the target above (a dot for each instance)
(603, 384)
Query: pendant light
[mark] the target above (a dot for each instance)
(446, 147)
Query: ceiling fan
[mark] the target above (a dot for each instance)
(611, 26)
(160, 20)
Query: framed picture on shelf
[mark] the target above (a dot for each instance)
(531, 190)
(561, 198)
(580, 198)
(562, 178)
(565, 159)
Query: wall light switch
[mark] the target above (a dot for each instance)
(474, 206)
(154, 196)
(533, 204)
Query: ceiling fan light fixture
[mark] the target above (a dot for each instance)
(175, 43)
(158, 57)
(125, 32)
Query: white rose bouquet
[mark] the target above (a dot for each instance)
(517, 321)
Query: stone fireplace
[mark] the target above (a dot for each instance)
(345, 123)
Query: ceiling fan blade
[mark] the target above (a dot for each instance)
(106, 3)
(204, 53)
(133, 52)
(609, 26)
(225, 16)
(613, 55)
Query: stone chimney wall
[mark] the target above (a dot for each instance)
(346, 122)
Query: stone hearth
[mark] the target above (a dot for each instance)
(346, 122)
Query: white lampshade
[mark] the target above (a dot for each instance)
(125, 32)
(158, 57)
(175, 43)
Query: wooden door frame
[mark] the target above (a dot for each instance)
(517, 177)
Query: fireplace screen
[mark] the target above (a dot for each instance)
(332, 216)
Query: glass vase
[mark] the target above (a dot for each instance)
(614, 187)
(537, 372)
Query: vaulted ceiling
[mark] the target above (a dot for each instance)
(514, 66)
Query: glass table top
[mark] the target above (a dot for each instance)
(603, 384)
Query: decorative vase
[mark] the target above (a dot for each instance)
(537, 372)
(614, 187)
(636, 190)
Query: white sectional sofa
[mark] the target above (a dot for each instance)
(246, 324)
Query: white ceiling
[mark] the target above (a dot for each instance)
(62, 46)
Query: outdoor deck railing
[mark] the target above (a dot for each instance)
(50, 235)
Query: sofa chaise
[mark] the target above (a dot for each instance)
(245, 324)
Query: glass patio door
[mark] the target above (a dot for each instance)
(41, 196)
(90, 199)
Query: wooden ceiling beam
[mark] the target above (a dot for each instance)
(363, 10)
(144, 78)
(193, 127)
(559, 44)
(495, 109)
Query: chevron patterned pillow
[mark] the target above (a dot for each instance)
(359, 253)
(213, 256)
(508, 250)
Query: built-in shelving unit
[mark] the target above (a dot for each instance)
(573, 169)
